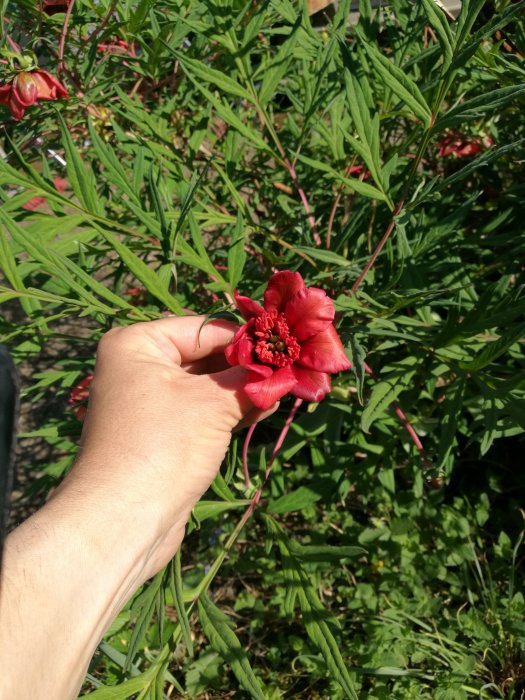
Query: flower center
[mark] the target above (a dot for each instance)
(276, 345)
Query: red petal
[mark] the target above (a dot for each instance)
(311, 385)
(49, 88)
(263, 393)
(16, 109)
(309, 312)
(281, 288)
(5, 92)
(248, 307)
(237, 349)
(25, 89)
(324, 352)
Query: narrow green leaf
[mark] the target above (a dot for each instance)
(145, 604)
(178, 601)
(199, 70)
(237, 254)
(321, 635)
(10, 270)
(80, 175)
(353, 183)
(132, 686)
(439, 22)
(358, 357)
(480, 162)
(142, 272)
(276, 69)
(293, 501)
(211, 509)
(448, 423)
(400, 84)
(495, 349)
(218, 628)
(491, 102)
(387, 390)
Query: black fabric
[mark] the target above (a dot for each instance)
(9, 395)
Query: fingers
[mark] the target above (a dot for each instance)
(178, 339)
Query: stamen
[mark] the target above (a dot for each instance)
(276, 345)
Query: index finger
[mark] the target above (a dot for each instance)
(185, 339)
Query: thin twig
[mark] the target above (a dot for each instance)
(406, 423)
(63, 35)
(245, 447)
(304, 200)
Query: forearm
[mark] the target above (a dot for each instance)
(67, 572)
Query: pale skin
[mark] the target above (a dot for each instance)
(163, 404)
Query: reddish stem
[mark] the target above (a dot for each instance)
(63, 35)
(379, 247)
(410, 430)
(304, 200)
(278, 445)
(245, 447)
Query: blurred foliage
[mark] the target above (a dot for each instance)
(206, 144)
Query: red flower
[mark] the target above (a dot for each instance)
(35, 202)
(80, 394)
(27, 88)
(138, 296)
(457, 145)
(51, 7)
(290, 345)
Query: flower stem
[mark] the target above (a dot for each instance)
(63, 35)
(406, 423)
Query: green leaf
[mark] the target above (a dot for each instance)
(178, 601)
(133, 685)
(10, 270)
(276, 69)
(352, 182)
(480, 162)
(366, 127)
(80, 175)
(218, 628)
(387, 390)
(449, 420)
(146, 604)
(439, 22)
(398, 81)
(491, 102)
(142, 272)
(357, 358)
(494, 349)
(293, 501)
(211, 509)
(237, 253)
(199, 70)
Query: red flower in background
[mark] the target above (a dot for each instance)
(457, 145)
(27, 88)
(35, 202)
(80, 394)
(290, 344)
(52, 7)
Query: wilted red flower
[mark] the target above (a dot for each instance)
(290, 345)
(80, 394)
(35, 202)
(52, 7)
(457, 145)
(27, 88)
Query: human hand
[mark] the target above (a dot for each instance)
(163, 403)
